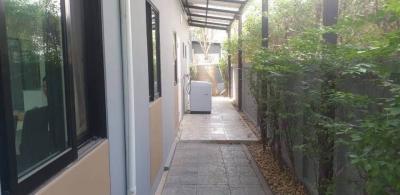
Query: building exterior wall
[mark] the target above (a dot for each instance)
(172, 19)
(152, 128)
(140, 134)
(114, 95)
(89, 175)
(96, 173)
(177, 108)
(100, 169)
(137, 96)
(156, 139)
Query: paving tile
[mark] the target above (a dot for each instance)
(214, 179)
(224, 123)
(213, 190)
(179, 190)
(231, 147)
(236, 154)
(185, 161)
(247, 190)
(240, 170)
(237, 162)
(211, 169)
(182, 179)
(242, 180)
(182, 170)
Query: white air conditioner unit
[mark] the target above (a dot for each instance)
(200, 97)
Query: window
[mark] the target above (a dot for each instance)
(175, 51)
(153, 49)
(184, 50)
(45, 115)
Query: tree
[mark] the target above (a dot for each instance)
(205, 37)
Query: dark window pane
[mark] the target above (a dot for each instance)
(79, 64)
(175, 53)
(153, 47)
(37, 81)
(154, 19)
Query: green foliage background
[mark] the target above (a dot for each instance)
(303, 86)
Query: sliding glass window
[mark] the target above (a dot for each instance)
(44, 113)
(35, 51)
(153, 49)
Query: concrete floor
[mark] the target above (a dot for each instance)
(223, 124)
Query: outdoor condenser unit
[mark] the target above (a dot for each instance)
(200, 97)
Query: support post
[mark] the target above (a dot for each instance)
(229, 67)
(330, 15)
(325, 138)
(264, 23)
(261, 84)
(240, 63)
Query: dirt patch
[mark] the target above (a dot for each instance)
(280, 181)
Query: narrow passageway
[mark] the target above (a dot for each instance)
(223, 124)
(210, 159)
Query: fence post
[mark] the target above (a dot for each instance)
(240, 63)
(229, 67)
(264, 23)
(326, 138)
(265, 44)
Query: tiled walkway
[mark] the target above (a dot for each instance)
(208, 168)
(213, 169)
(223, 124)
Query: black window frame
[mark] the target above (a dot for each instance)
(96, 106)
(152, 92)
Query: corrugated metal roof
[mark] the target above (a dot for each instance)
(215, 14)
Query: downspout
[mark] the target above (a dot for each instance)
(126, 33)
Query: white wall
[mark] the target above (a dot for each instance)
(114, 97)
(135, 79)
(136, 94)
(172, 19)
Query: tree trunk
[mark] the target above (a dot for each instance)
(326, 137)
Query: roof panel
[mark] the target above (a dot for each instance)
(212, 13)
(215, 4)
(197, 11)
(224, 4)
(222, 14)
(218, 21)
(198, 18)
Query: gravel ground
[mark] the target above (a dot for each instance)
(280, 181)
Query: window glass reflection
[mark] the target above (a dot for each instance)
(154, 32)
(37, 84)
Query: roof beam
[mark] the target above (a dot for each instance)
(238, 15)
(211, 23)
(208, 26)
(188, 10)
(207, 11)
(233, 1)
(211, 17)
(212, 9)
